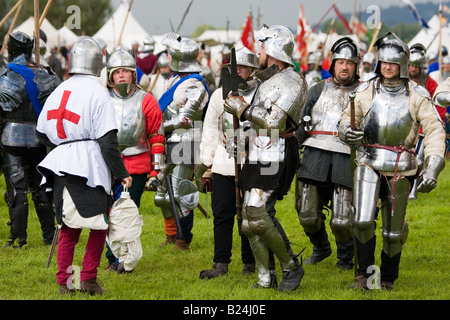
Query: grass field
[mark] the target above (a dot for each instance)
(166, 274)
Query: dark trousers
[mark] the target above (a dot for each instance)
(224, 212)
(366, 257)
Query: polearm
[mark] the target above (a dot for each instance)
(352, 169)
(124, 23)
(230, 82)
(36, 34)
(19, 3)
(184, 16)
(11, 27)
(44, 13)
(440, 41)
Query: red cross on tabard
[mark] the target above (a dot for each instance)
(61, 114)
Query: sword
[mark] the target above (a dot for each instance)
(230, 82)
(54, 242)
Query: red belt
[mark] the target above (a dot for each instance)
(329, 133)
(399, 149)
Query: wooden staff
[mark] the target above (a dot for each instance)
(374, 37)
(44, 13)
(440, 42)
(19, 3)
(36, 33)
(124, 23)
(11, 27)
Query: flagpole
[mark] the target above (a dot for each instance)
(326, 13)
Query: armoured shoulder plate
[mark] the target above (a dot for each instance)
(421, 91)
(46, 81)
(362, 86)
(287, 90)
(12, 90)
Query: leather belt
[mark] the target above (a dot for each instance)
(329, 133)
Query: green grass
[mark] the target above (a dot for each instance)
(165, 274)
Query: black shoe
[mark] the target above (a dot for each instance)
(344, 264)
(291, 279)
(218, 269)
(318, 255)
(248, 268)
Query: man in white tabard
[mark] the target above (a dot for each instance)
(78, 122)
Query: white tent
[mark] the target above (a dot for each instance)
(50, 31)
(110, 32)
(430, 37)
(216, 37)
(66, 36)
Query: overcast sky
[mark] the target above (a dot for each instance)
(154, 15)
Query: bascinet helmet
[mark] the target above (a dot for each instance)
(392, 50)
(86, 57)
(345, 48)
(278, 42)
(184, 53)
(418, 56)
(19, 43)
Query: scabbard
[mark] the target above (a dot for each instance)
(54, 243)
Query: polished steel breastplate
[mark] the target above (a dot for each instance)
(389, 123)
(130, 122)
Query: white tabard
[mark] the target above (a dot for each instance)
(79, 110)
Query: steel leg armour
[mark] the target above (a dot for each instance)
(340, 222)
(394, 227)
(308, 208)
(181, 174)
(45, 213)
(263, 235)
(365, 197)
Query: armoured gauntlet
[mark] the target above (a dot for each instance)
(428, 178)
(351, 137)
(443, 99)
(202, 178)
(235, 105)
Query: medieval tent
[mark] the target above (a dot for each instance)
(430, 37)
(50, 31)
(110, 32)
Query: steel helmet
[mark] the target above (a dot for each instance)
(184, 52)
(344, 48)
(149, 45)
(278, 42)
(120, 59)
(19, 43)
(86, 57)
(392, 50)
(418, 56)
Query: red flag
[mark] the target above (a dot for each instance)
(247, 37)
(341, 17)
(303, 30)
(358, 28)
